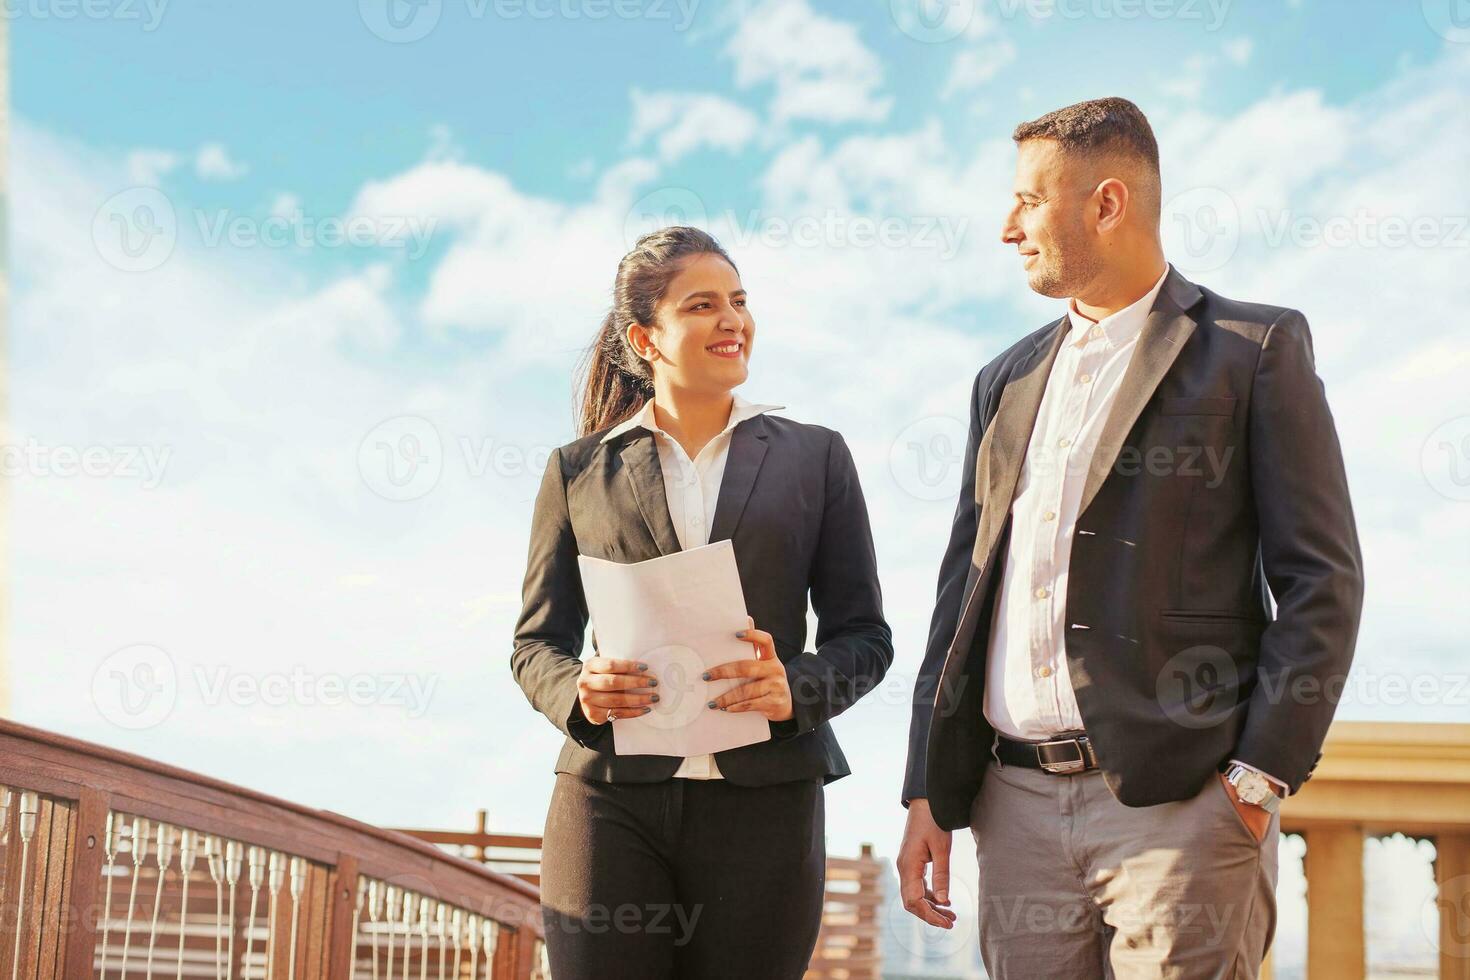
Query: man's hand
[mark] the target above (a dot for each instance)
(1257, 819)
(924, 843)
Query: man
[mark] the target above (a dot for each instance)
(1106, 698)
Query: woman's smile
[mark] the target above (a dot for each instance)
(726, 348)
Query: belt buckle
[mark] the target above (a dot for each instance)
(1070, 765)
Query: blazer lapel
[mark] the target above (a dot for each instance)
(646, 480)
(1163, 335)
(1004, 446)
(747, 451)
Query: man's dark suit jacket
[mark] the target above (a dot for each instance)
(1217, 478)
(791, 504)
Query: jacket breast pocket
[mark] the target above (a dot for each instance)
(1222, 405)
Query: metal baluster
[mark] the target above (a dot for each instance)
(474, 940)
(164, 848)
(273, 882)
(298, 883)
(394, 895)
(356, 921)
(233, 851)
(456, 928)
(214, 859)
(188, 851)
(375, 909)
(409, 905)
(5, 826)
(439, 923)
(256, 858)
(490, 935)
(109, 846)
(139, 841)
(29, 805)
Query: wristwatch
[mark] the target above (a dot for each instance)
(1252, 787)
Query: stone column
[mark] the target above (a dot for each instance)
(1334, 868)
(1452, 875)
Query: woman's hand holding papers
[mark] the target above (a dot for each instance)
(617, 688)
(766, 689)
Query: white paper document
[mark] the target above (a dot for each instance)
(678, 613)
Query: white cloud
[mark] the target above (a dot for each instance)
(683, 122)
(820, 67)
(982, 54)
(149, 167)
(285, 205)
(1238, 50)
(213, 162)
(976, 65)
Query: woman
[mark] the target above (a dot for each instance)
(709, 866)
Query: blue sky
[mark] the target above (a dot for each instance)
(251, 395)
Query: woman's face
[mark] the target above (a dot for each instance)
(704, 330)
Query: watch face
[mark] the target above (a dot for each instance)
(1252, 787)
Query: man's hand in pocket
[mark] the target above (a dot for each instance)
(1257, 819)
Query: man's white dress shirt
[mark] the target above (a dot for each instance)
(1028, 690)
(693, 489)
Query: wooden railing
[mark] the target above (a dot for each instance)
(847, 945)
(112, 865)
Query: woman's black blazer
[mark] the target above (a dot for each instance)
(791, 504)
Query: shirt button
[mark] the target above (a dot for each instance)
(1064, 443)
(1042, 592)
(1043, 671)
(1050, 515)
(1085, 378)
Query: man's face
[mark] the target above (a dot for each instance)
(1048, 221)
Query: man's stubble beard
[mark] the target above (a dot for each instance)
(1073, 267)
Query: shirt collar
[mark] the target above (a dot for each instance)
(740, 410)
(1121, 326)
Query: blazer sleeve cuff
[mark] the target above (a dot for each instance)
(579, 729)
(807, 709)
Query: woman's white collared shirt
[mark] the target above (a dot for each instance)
(693, 489)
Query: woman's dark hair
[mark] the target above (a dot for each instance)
(617, 381)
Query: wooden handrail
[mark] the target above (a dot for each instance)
(85, 801)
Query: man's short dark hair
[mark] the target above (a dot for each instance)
(1096, 127)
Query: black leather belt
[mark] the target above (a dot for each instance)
(1064, 755)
